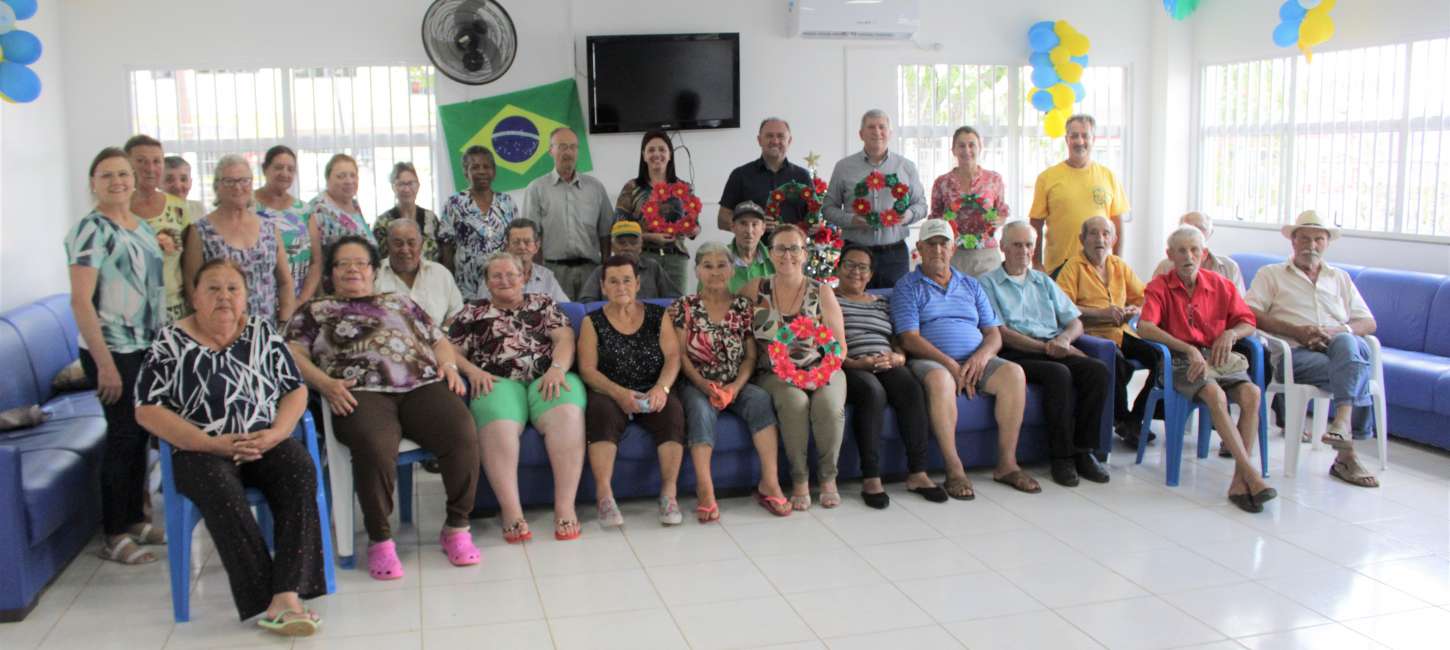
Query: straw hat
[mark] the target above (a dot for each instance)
(1310, 219)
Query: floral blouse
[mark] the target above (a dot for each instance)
(296, 241)
(429, 230)
(768, 319)
(512, 343)
(383, 341)
(334, 224)
(235, 390)
(630, 205)
(716, 348)
(474, 236)
(259, 263)
(987, 184)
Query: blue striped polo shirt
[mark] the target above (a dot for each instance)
(948, 317)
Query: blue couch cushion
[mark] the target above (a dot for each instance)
(17, 382)
(59, 306)
(1442, 396)
(1437, 333)
(52, 480)
(83, 435)
(1250, 263)
(1401, 303)
(45, 344)
(1410, 377)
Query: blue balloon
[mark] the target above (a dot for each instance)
(20, 47)
(1042, 100)
(1078, 90)
(1040, 60)
(1291, 12)
(1080, 60)
(23, 9)
(18, 82)
(1043, 36)
(1286, 34)
(1045, 77)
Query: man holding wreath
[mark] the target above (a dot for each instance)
(873, 196)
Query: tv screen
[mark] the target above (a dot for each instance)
(663, 81)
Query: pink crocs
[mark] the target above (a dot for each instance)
(383, 562)
(458, 546)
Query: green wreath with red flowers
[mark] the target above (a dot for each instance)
(974, 223)
(685, 220)
(789, 191)
(866, 191)
(805, 328)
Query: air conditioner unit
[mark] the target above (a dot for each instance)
(867, 19)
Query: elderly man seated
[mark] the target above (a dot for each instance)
(1039, 325)
(1319, 311)
(1199, 315)
(626, 239)
(948, 327)
(1109, 294)
(1225, 266)
(428, 283)
(522, 240)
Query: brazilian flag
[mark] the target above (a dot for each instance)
(516, 128)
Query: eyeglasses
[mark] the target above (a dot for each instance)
(788, 250)
(351, 264)
(855, 267)
(237, 181)
(406, 184)
(506, 275)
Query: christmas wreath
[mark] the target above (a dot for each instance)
(683, 220)
(866, 192)
(810, 195)
(805, 328)
(974, 224)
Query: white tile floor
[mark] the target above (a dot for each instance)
(1130, 564)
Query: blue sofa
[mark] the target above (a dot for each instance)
(736, 468)
(1412, 311)
(50, 473)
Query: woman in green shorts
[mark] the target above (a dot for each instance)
(516, 349)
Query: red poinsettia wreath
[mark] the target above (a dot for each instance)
(805, 328)
(809, 195)
(865, 193)
(681, 221)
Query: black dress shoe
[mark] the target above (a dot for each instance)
(1064, 472)
(1089, 468)
(878, 500)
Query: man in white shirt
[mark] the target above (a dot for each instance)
(523, 242)
(574, 213)
(1319, 311)
(428, 283)
(1220, 264)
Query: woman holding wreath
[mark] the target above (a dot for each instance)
(657, 168)
(973, 196)
(805, 407)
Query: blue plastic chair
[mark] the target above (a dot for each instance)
(1177, 409)
(182, 516)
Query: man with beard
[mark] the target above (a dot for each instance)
(1071, 192)
(574, 213)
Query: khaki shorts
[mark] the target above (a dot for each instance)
(920, 368)
(1226, 379)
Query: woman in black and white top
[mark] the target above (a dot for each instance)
(222, 388)
(876, 374)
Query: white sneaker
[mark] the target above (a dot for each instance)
(670, 511)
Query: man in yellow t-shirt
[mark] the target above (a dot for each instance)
(1069, 193)
(168, 215)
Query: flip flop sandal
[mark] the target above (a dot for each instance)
(383, 562)
(1245, 502)
(149, 536)
(518, 532)
(706, 515)
(291, 623)
(562, 524)
(1265, 495)
(800, 503)
(1020, 481)
(777, 506)
(120, 555)
(458, 546)
(1337, 440)
(830, 499)
(1353, 475)
(960, 489)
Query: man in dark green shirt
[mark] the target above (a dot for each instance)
(747, 252)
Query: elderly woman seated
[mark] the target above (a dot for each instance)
(629, 357)
(718, 354)
(516, 350)
(387, 373)
(220, 386)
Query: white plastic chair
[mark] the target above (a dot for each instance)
(1297, 398)
(339, 471)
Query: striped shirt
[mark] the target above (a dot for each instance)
(949, 317)
(868, 326)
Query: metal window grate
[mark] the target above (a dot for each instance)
(1357, 135)
(380, 115)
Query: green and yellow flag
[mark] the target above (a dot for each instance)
(516, 128)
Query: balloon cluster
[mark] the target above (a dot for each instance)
(1180, 9)
(18, 49)
(1059, 55)
(1305, 23)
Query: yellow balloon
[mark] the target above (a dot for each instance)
(1324, 6)
(1062, 97)
(1059, 55)
(1070, 72)
(1062, 29)
(1054, 124)
(1316, 28)
(1077, 45)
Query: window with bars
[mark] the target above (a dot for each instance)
(379, 115)
(1357, 135)
(934, 99)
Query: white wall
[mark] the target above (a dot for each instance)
(37, 178)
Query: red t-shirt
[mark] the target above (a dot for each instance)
(1197, 320)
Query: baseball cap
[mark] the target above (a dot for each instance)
(749, 209)
(625, 227)
(936, 228)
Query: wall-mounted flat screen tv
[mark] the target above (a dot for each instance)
(663, 81)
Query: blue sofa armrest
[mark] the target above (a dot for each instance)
(1105, 351)
(14, 540)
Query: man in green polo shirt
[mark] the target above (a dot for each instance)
(747, 252)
